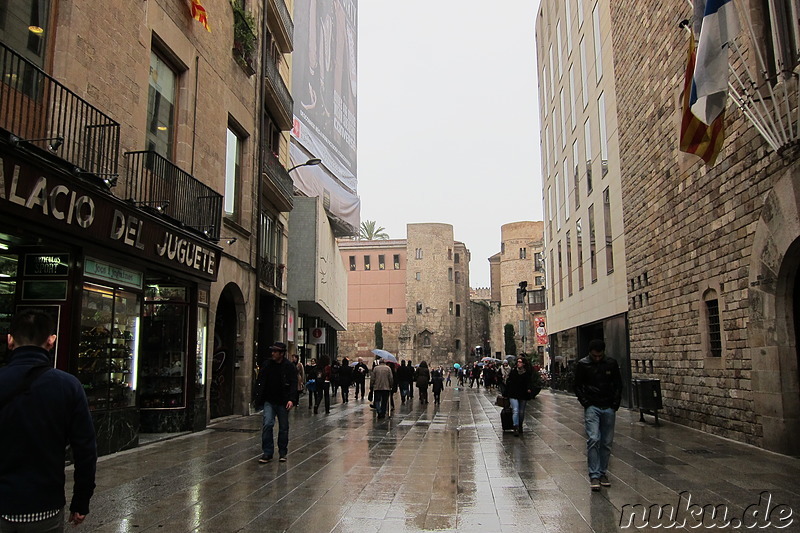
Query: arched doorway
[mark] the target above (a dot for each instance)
(224, 354)
(774, 317)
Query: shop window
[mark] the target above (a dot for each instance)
(381, 262)
(108, 346)
(352, 262)
(396, 261)
(233, 175)
(164, 347)
(366, 262)
(161, 107)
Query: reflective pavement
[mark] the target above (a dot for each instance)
(447, 467)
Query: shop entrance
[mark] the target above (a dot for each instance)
(223, 359)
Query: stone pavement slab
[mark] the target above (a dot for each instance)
(446, 467)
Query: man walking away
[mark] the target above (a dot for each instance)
(276, 390)
(381, 382)
(42, 410)
(360, 377)
(598, 386)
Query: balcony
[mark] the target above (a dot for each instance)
(278, 185)
(284, 32)
(153, 181)
(272, 274)
(40, 112)
(244, 40)
(277, 98)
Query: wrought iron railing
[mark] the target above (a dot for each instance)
(38, 110)
(154, 182)
(281, 92)
(272, 274)
(279, 176)
(286, 19)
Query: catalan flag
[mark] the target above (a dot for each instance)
(704, 141)
(199, 13)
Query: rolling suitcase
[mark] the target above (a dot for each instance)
(506, 419)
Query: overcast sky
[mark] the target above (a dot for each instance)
(448, 122)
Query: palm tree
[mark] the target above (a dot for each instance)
(369, 232)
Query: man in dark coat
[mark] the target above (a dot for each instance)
(598, 386)
(276, 390)
(42, 410)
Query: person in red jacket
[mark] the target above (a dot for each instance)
(42, 410)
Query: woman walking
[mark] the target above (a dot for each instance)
(519, 387)
(438, 385)
(423, 379)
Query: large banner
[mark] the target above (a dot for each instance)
(324, 83)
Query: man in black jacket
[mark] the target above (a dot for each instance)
(42, 410)
(276, 390)
(598, 385)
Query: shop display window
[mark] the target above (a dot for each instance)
(164, 348)
(202, 342)
(108, 346)
(8, 286)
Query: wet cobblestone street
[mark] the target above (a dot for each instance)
(445, 467)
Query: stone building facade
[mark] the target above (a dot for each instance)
(712, 253)
(164, 123)
(431, 285)
(520, 260)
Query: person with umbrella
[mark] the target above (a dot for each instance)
(381, 383)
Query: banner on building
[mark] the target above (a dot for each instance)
(541, 331)
(324, 83)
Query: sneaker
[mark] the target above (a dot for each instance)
(265, 459)
(282, 459)
(604, 481)
(595, 484)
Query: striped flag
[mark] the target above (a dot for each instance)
(199, 14)
(719, 25)
(704, 141)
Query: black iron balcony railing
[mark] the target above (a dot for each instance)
(286, 19)
(278, 100)
(38, 110)
(279, 176)
(153, 180)
(272, 274)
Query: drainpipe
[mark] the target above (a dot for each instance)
(260, 178)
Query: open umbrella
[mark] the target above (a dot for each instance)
(383, 354)
(354, 363)
(456, 366)
(490, 360)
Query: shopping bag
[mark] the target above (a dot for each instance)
(502, 401)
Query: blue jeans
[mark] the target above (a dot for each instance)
(518, 409)
(381, 401)
(271, 410)
(404, 386)
(600, 435)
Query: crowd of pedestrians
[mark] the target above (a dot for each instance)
(281, 381)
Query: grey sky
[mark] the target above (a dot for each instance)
(448, 123)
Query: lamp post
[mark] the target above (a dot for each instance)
(310, 163)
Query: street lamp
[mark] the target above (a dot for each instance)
(310, 163)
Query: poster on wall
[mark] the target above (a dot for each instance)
(290, 325)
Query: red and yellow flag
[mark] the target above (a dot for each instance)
(704, 141)
(199, 14)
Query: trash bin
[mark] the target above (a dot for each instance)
(647, 395)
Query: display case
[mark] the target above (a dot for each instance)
(108, 346)
(164, 359)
